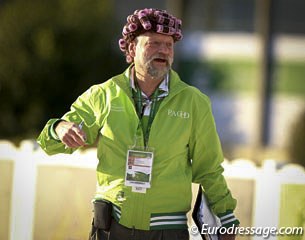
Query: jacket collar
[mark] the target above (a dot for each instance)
(175, 83)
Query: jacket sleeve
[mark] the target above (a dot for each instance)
(90, 107)
(207, 156)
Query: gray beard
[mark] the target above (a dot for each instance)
(157, 73)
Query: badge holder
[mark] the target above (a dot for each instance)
(139, 164)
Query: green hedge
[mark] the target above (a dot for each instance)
(243, 75)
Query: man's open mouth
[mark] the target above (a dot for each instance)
(160, 60)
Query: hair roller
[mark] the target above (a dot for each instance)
(132, 27)
(145, 23)
(165, 21)
(144, 19)
(142, 13)
(178, 35)
(125, 30)
(165, 30)
(162, 13)
(136, 12)
(178, 22)
(122, 42)
(129, 59)
(131, 19)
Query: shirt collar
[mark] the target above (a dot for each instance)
(163, 87)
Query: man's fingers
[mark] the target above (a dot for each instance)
(80, 133)
(72, 136)
(69, 143)
(73, 141)
(77, 136)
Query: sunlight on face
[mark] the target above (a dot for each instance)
(154, 54)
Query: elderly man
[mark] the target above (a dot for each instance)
(155, 136)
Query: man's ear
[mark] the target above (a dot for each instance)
(132, 49)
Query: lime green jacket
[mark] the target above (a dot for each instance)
(186, 149)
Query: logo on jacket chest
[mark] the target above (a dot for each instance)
(178, 114)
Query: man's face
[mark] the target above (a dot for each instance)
(153, 54)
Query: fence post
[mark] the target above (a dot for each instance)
(267, 199)
(23, 193)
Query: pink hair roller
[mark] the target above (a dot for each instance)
(129, 59)
(166, 21)
(144, 19)
(133, 27)
(165, 30)
(125, 30)
(131, 19)
(122, 44)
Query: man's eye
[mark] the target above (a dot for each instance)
(154, 44)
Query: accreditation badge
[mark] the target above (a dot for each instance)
(139, 169)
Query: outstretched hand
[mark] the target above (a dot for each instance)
(70, 134)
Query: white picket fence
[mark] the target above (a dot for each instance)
(27, 159)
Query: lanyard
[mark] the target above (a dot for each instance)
(140, 108)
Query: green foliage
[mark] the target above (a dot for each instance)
(238, 75)
(50, 52)
(297, 141)
(292, 210)
(290, 77)
(221, 75)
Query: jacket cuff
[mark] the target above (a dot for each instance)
(228, 219)
(52, 130)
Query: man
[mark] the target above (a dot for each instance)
(155, 136)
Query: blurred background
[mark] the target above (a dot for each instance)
(247, 56)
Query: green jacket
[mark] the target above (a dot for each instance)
(187, 149)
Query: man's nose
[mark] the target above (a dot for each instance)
(164, 48)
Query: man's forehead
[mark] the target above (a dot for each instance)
(155, 36)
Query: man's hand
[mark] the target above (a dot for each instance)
(70, 134)
(227, 237)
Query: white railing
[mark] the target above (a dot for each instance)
(19, 193)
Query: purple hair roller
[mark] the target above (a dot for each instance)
(165, 21)
(133, 27)
(122, 44)
(132, 19)
(165, 30)
(144, 19)
(142, 13)
(178, 35)
(146, 25)
(129, 59)
(125, 30)
(178, 22)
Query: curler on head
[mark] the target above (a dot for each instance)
(149, 19)
(132, 27)
(143, 17)
(122, 44)
(165, 30)
(165, 21)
